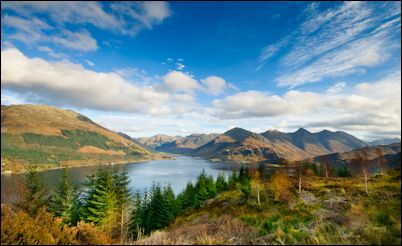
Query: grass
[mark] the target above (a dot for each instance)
(329, 211)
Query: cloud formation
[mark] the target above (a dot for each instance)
(341, 40)
(125, 18)
(374, 106)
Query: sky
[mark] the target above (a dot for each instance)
(177, 68)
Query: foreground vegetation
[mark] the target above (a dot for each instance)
(251, 206)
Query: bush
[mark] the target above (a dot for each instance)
(281, 185)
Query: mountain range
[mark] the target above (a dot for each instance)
(240, 145)
(45, 135)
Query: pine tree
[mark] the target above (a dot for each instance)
(158, 211)
(62, 203)
(171, 202)
(211, 188)
(201, 188)
(34, 193)
(136, 224)
(101, 202)
(188, 197)
(244, 180)
(220, 184)
(233, 179)
(122, 190)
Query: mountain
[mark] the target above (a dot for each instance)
(187, 144)
(157, 140)
(49, 137)
(134, 141)
(239, 145)
(391, 153)
(385, 141)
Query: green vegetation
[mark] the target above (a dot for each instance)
(250, 207)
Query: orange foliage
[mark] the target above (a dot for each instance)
(17, 227)
(281, 185)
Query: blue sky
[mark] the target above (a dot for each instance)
(199, 67)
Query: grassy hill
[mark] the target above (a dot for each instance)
(50, 137)
(328, 211)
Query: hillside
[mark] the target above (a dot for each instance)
(186, 144)
(157, 140)
(391, 153)
(239, 145)
(329, 211)
(50, 137)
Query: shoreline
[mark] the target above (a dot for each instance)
(85, 165)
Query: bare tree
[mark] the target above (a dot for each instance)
(360, 164)
(381, 162)
(325, 164)
(298, 167)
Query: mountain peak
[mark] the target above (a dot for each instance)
(302, 130)
(238, 133)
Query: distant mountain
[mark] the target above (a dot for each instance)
(391, 153)
(186, 145)
(157, 140)
(385, 141)
(49, 136)
(319, 143)
(134, 141)
(241, 145)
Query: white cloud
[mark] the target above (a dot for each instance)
(214, 85)
(341, 40)
(364, 108)
(32, 30)
(66, 83)
(364, 53)
(51, 52)
(257, 104)
(127, 18)
(180, 66)
(177, 81)
(81, 40)
(90, 63)
(336, 88)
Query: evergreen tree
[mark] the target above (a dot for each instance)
(201, 188)
(101, 201)
(158, 211)
(171, 202)
(233, 179)
(136, 219)
(62, 203)
(122, 190)
(188, 197)
(220, 184)
(244, 180)
(34, 193)
(211, 188)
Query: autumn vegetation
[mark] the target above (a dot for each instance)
(300, 203)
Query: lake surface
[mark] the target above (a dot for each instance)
(175, 172)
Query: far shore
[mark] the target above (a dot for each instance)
(38, 168)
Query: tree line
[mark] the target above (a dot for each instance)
(105, 205)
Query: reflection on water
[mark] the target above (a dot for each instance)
(175, 172)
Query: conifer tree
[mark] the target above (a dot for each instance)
(220, 184)
(34, 193)
(101, 200)
(62, 203)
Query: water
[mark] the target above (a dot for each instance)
(174, 172)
